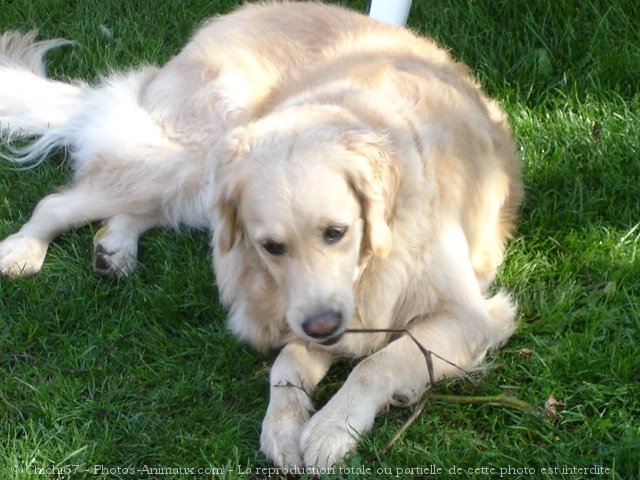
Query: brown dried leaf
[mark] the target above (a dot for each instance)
(552, 405)
(525, 353)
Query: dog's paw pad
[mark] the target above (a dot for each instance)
(114, 254)
(110, 263)
(21, 255)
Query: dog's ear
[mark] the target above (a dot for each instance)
(228, 228)
(374, 179)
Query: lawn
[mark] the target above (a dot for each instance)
(99, 376)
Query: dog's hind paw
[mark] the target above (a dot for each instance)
(114, 255)
(109, 264)
(21, 255)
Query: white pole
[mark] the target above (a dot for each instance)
(394, 12)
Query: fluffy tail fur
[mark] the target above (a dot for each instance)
(103, 123)
(31, 105)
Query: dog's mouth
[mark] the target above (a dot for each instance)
(327, 342)
(324, 327)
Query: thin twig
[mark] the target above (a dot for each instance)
(288, 384)
(503, 400)
(428, 354)
(500, 400)
(405, 426)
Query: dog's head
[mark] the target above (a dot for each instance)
(310, 194)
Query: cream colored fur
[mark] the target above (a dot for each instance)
(143, 143)
(355, 176)
(387, 138)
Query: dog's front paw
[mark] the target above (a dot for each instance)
(281, 428)
(114, 254)
(330, 436)
(21, 255)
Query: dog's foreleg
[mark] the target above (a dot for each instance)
(400, 373)
(294, 376)
(23, 253)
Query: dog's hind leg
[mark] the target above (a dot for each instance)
(23, 253)
(115, 246)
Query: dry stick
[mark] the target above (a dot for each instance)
(500, 400)
(503, 400)
(405, 426)
(288, 384)
(428, 354)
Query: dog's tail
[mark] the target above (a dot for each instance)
(32, 106)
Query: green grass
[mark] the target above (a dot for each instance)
(141, 371)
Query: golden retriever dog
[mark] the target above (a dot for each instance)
(360, 186)
(375, 190)
(143, 143)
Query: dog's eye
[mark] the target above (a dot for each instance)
(274, 248)
(333, 234)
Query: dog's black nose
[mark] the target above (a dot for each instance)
(322, 325)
